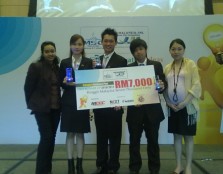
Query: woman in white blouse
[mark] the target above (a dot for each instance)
(182, 96)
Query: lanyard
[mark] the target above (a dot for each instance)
(175, 98)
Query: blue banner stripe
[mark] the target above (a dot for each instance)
(19, 39)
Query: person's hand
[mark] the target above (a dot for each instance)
(181, 105)
(117, 108)
(178, 106)
(172, 106)
(94, 63)
(161, 84)
(68, 83)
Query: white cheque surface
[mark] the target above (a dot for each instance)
(103, 88)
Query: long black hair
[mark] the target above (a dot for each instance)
(73, 39)
(56, 60)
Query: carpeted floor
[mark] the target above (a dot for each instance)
(20, 159)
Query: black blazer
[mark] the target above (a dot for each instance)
(69, 92)
(37, 86)
(154, 112)
(116, 61)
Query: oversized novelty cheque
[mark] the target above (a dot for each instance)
(103, 88)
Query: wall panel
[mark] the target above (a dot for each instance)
(218, 8)
(13, 10)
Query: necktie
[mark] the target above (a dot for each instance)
(105, 61)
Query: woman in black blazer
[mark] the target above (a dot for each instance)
(42, 94)
(75, 123)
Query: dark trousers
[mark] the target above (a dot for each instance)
(135, 132)
(109, 130)
(47, 125)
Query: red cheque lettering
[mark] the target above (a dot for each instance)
(117, 84)
(149, 81)
(143, 82)
(137, 82)
(123, 84)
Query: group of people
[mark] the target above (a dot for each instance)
(179, 83)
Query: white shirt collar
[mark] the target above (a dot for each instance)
(77, 63)
(79, 60)
(109, 55)
(145, 62)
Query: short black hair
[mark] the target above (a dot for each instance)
(137, 43)
(109, 31)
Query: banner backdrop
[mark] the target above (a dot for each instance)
(20, 45)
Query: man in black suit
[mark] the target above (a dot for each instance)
(108, 121)
(145, 117)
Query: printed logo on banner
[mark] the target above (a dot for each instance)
(127, 35)
(127, 101)
(114, 102)
(83, 101)
(93, 42)
(98, 103)
(92, 36)
(141, 98)
(115, 74)
(120, 73)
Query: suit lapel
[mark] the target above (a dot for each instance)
(111, 60)
(135, 64)
(148, 62)
(101, 59)
(69, 63)
(82, 63)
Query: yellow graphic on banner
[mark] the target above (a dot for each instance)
(211, 75)
(83, 101)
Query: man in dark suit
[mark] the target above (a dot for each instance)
(145, 117)
(108, 121)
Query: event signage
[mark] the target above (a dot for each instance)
(103, 88)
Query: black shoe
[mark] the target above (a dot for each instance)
(99, 170)
(154, 172)
(182, 172)
(79, 166)
(133, 172)
(111, 172)
(71, 169)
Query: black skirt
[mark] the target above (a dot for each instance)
(181, 123)
(72, 120)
